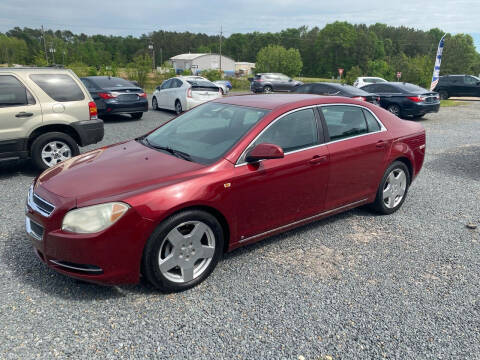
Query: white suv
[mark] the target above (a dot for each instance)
(45, 115)
(362, 81)
(184, 92)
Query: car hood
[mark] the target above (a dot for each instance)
(114, 170)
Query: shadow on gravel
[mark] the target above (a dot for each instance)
(17, 167)
(463, 161)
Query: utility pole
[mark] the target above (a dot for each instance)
(221, 50)
(44, 45)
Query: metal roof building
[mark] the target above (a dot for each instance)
(200, 62)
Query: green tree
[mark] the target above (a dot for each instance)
(275, 58)
(352, 74)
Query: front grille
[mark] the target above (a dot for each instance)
(43, 205)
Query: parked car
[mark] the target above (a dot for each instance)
(115, 96)
(224, 85)
(458, 85)
(183, 93)
(362, 81)
(405, 99)
(45, 115)
(269, 82)
(336, 89)
(225, 174)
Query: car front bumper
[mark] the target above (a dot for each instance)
(112, 256)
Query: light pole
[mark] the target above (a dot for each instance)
(52, 51)
(150, 46)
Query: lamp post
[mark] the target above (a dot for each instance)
(150, 47)
(52, 51)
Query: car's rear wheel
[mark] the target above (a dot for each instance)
(52, 148)
(393, 188)
(137, 116)
(183, 250)
(394, 109)
(267, 89)
(154, 103)
(443, 95)
(178, 107)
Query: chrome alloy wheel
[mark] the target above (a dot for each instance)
(54, 152)
(394, 188)
(187, 251)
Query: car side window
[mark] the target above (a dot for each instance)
(320, 89)
(60, 87)
(344, 121)
(372, 123)
(12, 92)
(165, 85)
(470, 80)
(370, 88)
(294, 131)
(175, 84)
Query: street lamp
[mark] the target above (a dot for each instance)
(150, 47)
(52, 51)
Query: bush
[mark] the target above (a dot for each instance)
(212, 75)
(352, 74)
(239, 83)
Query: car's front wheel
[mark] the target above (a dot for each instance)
(183, 250)
(51, 148)
(154, 103)
(393, 188)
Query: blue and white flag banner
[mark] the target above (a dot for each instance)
(438, 62)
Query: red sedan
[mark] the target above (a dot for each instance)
(227, 173)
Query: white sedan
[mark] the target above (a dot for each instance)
(362, 81)
(183, 93)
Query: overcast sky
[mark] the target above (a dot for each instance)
(135, 17)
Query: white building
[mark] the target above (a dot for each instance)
(200, 62)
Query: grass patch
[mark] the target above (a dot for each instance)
(450, 103)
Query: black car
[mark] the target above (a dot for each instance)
(268, 82)
(458, 85)
(336, 89)
(115, 95)
(405, 99)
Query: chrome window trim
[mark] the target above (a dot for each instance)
(242, 240)
(382, 129)
(34, 206)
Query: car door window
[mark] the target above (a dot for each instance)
(372, 123)
(470, 80)
(292, 132)
(344, 121)
(60, 87)
(165, 85)
(319, 89)
(13, 93)
(176, 83)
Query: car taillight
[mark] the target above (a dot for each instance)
(362, 98)
(259, 80)
(415, 98)
(143, 95)
(378, 99)
(107, 95)
(189, 92)
(92, 109)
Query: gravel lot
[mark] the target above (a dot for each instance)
(354, 286)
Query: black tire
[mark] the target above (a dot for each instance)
(443, 95)
(136, 116)
(221, 90)
(379, 205)
(394, 109)
(154, 103)
(178, 107)
(267, 89)
(40, 142)
(151, 253)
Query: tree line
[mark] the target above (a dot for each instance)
(375, 50)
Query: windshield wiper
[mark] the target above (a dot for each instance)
(177, 153)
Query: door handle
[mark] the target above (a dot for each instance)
(381, 144)
(317, 159)
(23, 114)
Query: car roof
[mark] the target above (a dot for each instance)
(274, 101)
(35, 69)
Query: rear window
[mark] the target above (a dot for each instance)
(112, 82)
(351, 90)
(60, 87)
(412, 88)
(201, 83)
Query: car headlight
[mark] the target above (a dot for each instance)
(92, 219)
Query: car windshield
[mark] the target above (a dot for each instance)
(351, 90)
(205, 133)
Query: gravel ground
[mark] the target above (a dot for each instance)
(354, 286)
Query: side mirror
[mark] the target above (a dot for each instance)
(158, 88)
(290, 79)
(250, 79)
(264, 151)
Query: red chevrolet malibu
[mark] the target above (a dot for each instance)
(230, 172)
